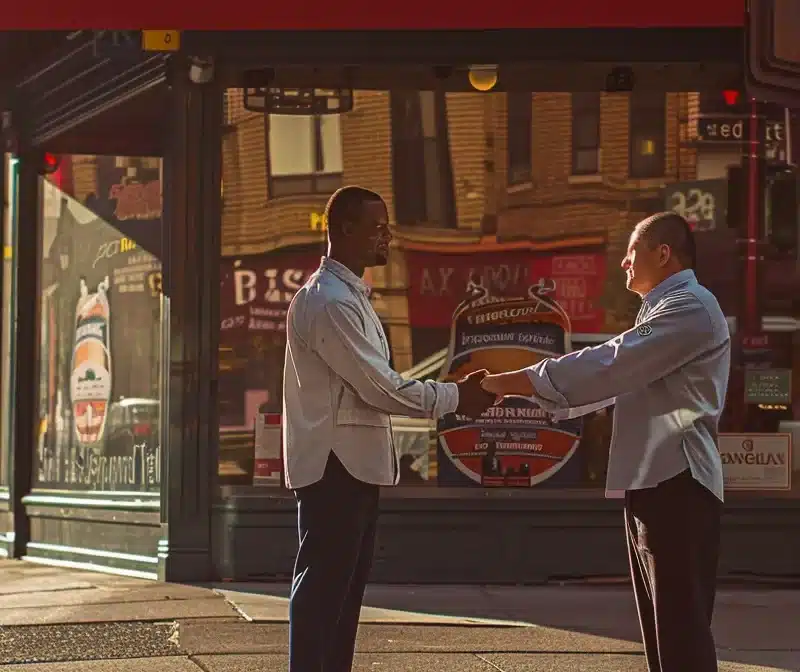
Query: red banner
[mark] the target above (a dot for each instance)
(580, 278)
(438, 282)
(365, 15)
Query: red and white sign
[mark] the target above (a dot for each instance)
(438, 282)
(268, 461)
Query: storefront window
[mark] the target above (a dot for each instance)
(7, 321)
(476, 197)
(100, 352)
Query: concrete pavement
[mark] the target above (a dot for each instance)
(57, 620)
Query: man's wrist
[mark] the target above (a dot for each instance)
(447, 399)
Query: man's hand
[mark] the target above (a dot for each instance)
(515, 383)
(473, 400)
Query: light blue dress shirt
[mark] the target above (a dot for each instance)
(668, 376)
(338, 388)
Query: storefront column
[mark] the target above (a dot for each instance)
(191, 258)
(26, 378)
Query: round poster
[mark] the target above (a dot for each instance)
(513, 444)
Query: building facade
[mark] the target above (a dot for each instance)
(150, 357)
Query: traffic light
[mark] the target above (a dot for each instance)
(783, 222)
(48, 163)
(729, 101)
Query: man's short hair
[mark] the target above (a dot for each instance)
(669, 228)
(346, 205)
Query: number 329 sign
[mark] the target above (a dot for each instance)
(702, 202)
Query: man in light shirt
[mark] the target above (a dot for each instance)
(338, 395)
(668, 376)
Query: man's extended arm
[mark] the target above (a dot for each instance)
(676, 333)
(338, 337)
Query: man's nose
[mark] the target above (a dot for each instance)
(625, 263)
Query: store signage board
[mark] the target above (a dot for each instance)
(756, 461)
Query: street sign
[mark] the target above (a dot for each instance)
(735, 130)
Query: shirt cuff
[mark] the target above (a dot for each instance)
(545, 393)
(446, 399)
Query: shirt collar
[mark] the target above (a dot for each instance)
(685, 276)
(345, 275)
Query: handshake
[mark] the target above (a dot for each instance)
(473, 397)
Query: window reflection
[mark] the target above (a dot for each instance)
(100, 347)
(506, 188)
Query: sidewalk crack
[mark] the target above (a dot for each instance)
(489, 662)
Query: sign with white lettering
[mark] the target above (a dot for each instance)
(734, 129)
(756, 461)
(255, 291)
(768, 386)
(515, 443)
(702, 203)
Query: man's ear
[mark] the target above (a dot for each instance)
(665, 254)
(347, 228)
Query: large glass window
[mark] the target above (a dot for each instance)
(452, 168)
(100, 356)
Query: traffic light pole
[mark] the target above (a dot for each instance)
(755, 163)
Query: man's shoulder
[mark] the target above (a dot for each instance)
(694, 299)
(321, 290)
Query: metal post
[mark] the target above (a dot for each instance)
(26, 378)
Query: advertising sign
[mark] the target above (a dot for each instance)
(438, 282)
(756, 461)
(255, 291)
(515, 443)
(267, 468)
(99, 424)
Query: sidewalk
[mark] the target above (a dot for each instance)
(57, 620)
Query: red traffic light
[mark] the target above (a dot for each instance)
(50, 163)
(731, 97)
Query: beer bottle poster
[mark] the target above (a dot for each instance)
(515, 443)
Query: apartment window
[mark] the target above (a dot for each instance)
(519, 121)
(585, 133)
(305, 154)
(648, 131)
(421, 167)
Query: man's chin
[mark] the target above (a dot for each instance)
(381, 260)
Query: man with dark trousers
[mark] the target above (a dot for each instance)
(339, 392)
(668, 375)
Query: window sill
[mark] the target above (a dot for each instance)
(315, 185)
(595, 178)
(520, 187)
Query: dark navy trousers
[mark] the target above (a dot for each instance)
(336, 521)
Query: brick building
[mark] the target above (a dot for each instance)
(463, 174)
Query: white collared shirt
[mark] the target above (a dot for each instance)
(668, 376)
(338, 388)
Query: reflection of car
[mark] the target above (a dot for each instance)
(415, 444)
(132, 421)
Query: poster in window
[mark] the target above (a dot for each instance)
(514, 443)
(99, 425)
